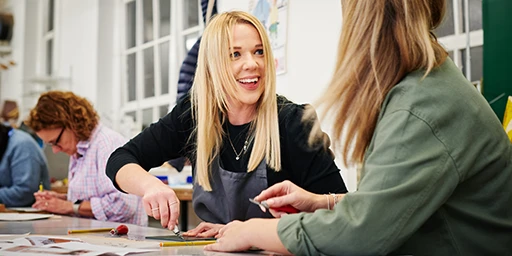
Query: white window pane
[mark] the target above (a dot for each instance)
(51, 8)
(447, 27)
(190, 40)
(149, 73)
(475, 15)
(132, 115)
(147, 9)
(132, 76)
(164, 68)
(147, 117)
(130, 25)
(163, 110)
(49, 57)
(476, 62)
(165, 17)
(191, 15)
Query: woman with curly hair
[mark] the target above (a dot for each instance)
(68, 123)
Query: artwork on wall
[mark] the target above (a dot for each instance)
(274, 16)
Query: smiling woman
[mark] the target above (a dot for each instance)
(69, 124)
(239, 135)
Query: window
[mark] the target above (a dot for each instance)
(48, 36)
(157, 37)
(453, 36)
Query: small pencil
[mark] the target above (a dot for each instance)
(73, 231)
(41, 186)
(186, 243)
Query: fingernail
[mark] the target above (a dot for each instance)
(270, 201)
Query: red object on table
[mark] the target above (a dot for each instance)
(120, 230)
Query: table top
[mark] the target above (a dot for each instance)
(59, 226)
(183, 192)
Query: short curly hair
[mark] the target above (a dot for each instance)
(56, 109)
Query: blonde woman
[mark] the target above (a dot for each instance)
(436, 163)
(240, 136)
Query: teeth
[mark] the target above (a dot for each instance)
(252, 80)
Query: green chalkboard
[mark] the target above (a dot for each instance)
(497, 79)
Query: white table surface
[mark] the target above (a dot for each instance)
(59, 226)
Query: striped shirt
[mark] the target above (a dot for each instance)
(88, 181)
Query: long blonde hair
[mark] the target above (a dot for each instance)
(381, 41)
(214, 84)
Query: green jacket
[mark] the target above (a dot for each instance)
(436, 180)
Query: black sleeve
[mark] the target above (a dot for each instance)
(164, 140)
(310, 167)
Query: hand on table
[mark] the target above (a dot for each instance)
(232, 238)
(253, 233)
(53, 205)
(161, 203)
(204, 229)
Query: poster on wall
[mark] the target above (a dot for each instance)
(274, 16)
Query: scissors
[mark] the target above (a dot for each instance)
(286, 208)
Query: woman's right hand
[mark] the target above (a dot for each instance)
(286, 193)
(47, 194)
(161, 203)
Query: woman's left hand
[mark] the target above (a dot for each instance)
(232, 238)
(54, 205)
(204, 229)
(254, 233)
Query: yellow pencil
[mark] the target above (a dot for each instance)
(73, 231)
(186, 243)
(41, 186)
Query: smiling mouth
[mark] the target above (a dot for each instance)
(248, 81)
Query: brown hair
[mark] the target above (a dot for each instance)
(56, 109)
(381, 42)
(10, 110)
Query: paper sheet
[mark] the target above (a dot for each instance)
(12, 236)
(23, 216)
(24, 209)
(54, 245)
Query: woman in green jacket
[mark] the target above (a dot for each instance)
(436, 163)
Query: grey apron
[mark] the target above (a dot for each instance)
(229, 198)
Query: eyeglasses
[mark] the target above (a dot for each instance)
(56, 142)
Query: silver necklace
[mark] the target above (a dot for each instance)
(244, 149)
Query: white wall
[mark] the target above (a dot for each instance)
(11, 84)
(77, 45)
(108, 86)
